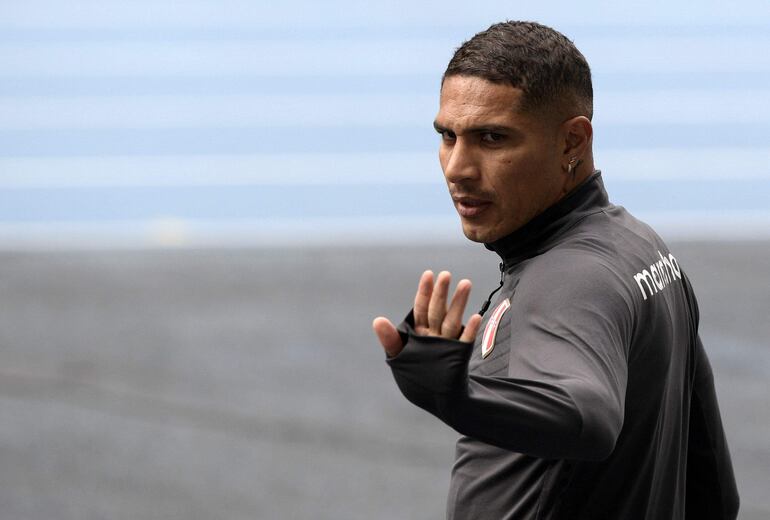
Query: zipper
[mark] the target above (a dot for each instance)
(487, 303)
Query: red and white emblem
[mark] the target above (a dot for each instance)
(490, 331)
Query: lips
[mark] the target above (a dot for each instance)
(470, 207)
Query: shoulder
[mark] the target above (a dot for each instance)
(575, 294)
(578, 264)
(581, 273)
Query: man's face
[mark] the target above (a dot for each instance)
(502, 166)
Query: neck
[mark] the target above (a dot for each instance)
(537, 235)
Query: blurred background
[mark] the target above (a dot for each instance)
(203, 205)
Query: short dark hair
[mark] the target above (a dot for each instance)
(540, 61)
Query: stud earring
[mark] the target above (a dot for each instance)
(571, 164)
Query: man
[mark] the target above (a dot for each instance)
(586, 393)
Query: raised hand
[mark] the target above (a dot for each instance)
(432, 317)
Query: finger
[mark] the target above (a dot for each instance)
(453, 321)
(437, 306)
(388, 336)
(471, 329)
(422, 300)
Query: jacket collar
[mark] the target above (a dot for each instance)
(539, 234)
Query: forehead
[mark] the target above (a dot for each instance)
(469, 101)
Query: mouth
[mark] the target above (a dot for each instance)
(469, 207)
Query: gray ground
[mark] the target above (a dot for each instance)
(247, 384)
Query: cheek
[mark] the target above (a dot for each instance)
(442, 158)
(512, 174)
(510, 194)
(517, 185)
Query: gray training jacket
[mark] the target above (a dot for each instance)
(587, 394)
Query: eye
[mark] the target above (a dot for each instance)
(447, 135)
(492, 137)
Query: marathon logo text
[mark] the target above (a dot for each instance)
(660, 274)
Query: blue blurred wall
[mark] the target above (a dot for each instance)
(240, 122)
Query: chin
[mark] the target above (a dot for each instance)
(477, 233)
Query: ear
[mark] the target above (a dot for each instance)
(576, 136)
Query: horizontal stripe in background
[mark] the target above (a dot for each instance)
(393, 84)
(337, 200)
(301, 15)
(235, 122)
(254, 32)
(169, 231)
(303, 140)
(651, 55)
(349, 110)
(651, 164)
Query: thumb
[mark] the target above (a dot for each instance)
(388, 336)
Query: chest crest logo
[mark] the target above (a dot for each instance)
(490, 331)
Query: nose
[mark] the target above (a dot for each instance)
(458, 162)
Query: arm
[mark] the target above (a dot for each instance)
(545, 418)
(711, 489)
(563, 394)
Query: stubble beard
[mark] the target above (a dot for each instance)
(474, 233)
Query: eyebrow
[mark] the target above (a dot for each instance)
(478, 129)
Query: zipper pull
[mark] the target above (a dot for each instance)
(489, 298)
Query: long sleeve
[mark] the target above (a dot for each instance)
(711, 490)
(561, 391)
(586, 394)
